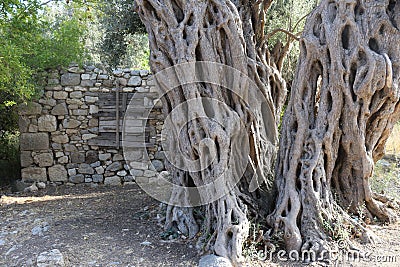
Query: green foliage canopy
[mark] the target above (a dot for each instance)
(125, 40)
(31, 42)
(289, 16)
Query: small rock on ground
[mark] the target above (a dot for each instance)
(50, 258)
(214, 261)
(32, 188)
(41, 185)
(39, 230)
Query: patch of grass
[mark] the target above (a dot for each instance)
(386, 177)
(393, 143)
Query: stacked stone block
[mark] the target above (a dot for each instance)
(57, 130)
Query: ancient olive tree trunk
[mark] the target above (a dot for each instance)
(344, 103)
(230, 33)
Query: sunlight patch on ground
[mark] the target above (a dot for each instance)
(7, 200)
(393, 143)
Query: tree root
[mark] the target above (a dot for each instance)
(181, 219)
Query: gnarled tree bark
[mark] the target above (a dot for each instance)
(230, 32)
(344, 103)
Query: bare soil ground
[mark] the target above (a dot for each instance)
(103, 226)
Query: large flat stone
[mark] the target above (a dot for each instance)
(71, 101)
(144, 73)
(91, 99)
(113, 180)
(60, 110)
(23, 123)
(139, 165)
(97, 178)
(93, 122)
(158, 165)
(34, 141)
(58, 173)
(70, 148)
(60, 95)
(135, 81)
(87, 83)
(88, 136)
(30, 109)
(85, 168)
(80, 112)
(76, 69)
(71, 123)
(70, 79)
(115, 166)
(133, 155)
(52, 258)
(34, 174)
(47, 123)
(76, 94)
(104, 156)
(60, 139)
(26, 158)
(44, 159)
(49, 101)
(77, 179)
(159, 155)
(77, 157)
(99, 170)
(63, 160)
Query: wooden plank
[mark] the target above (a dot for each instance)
(111, 95)
(102, 142)
(128, 130)
(104, 115)
(109, 99)
(134, 109)
(106, 129)
(105, 136)
(117, 116)
(108, 117)
(110, 123)
(113, 143)
(113, 101)
(107, 113)
(124, 101)
(132, 123)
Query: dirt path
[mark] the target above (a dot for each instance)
(90, 226)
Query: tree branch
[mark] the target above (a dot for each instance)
(293, 35)
(298, 22)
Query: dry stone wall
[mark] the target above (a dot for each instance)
(64, 140)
